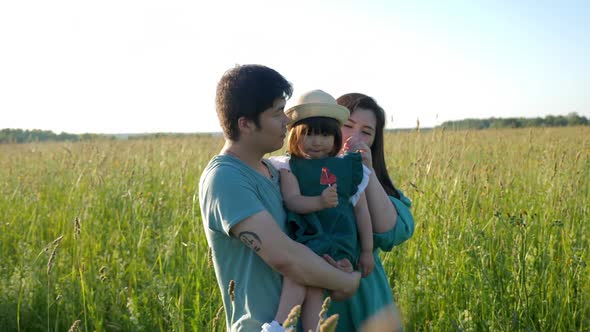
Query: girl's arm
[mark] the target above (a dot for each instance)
(363, 222)
(305, 204)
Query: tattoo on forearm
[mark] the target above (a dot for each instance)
(251, 240)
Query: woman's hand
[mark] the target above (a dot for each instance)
(354, 144)
(343, 264)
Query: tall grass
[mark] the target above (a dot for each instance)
(501, 239)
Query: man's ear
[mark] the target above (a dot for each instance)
(246, 126)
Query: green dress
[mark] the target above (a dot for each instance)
(330, 231)
(374, 292)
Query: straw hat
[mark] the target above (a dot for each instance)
(317, 103)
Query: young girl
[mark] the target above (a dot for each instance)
(323, 193)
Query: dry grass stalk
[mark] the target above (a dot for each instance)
(75, 326)
(329, 324)
(51, 258)
(77, 228)
(216, 319)
(103, 273)
(324, 312)
(230, 291)
(290, 324)
(56, 241)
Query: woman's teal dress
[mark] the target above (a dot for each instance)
(329, 231)
(374, 292)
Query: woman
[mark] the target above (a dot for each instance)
(390, 212)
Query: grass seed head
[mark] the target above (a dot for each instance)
(75, 326)
(230, 291)
(216, 319)
(290, 324)
(51, 258)
(324, 312)
(56, 241)
(330, 324)
(103, 273)
(77, 228)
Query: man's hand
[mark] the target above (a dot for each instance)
(329, 197)
(366, 263)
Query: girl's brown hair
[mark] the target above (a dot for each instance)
(314, 126)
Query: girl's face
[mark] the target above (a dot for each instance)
(316, 146)
(361, 125)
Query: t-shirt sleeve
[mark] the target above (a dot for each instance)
(403, 229)
(280, 162)
(228, 197)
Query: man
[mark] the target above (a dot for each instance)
(242, 207)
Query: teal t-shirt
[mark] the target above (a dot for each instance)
(229, 192)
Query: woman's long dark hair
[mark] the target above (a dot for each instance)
(354, 101)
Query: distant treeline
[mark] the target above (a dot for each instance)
(572, 119)
(36, 135)
(157, 135)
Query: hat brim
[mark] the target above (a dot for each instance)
(304, 111)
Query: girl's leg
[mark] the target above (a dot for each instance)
(310, 315)
(292, 294)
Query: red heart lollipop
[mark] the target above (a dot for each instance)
(327, 178)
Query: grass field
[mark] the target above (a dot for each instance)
(108, 234)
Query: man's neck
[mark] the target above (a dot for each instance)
(245, 153)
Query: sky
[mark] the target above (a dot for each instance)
(152, 66)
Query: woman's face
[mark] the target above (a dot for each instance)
(361, 125)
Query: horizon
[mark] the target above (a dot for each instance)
(149, 67)
(220, 132)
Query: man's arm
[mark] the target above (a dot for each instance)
(261, 233)
(298, 203)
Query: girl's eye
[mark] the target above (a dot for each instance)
(367, 133)
(347, 125)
